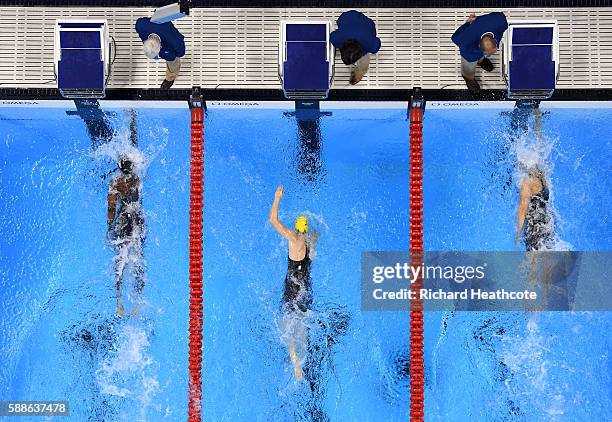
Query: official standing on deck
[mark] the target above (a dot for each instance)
(356, 39)
(478, 39)
(162, 40)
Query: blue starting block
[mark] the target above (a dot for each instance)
(81, 57)
(530, 59)
(305, 59)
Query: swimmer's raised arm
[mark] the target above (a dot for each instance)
(278, 226)
(525, 196)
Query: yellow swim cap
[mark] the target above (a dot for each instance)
(301, 224)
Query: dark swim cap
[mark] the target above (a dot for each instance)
(125, 165)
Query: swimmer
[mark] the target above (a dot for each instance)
(126, 227)
(297, 295)
(536, 218)
(533, 214)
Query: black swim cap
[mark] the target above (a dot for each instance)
(125, 165)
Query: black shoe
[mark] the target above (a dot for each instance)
(166, 84)
(472, 85)
(486, 65)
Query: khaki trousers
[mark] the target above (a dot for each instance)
(360, 67)
(172, 69)
(468, 69)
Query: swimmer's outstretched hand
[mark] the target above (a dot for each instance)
(279, 192)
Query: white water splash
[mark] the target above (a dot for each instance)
(293, 327)
(129, 372)
(121, 146)
(527, 358)
(532, 150)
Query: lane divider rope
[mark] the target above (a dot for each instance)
(196, 205)
(417, 364)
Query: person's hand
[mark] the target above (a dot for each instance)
(279, 192)
(517, 240)
(471, 18)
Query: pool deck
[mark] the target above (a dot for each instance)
(237, 48)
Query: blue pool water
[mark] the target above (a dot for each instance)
(511, 366)
(60, 340)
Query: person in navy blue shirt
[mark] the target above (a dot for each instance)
(162, 40)
(356, 39)
(477, 40)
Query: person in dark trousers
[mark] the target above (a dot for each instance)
(162, 41)
(356, 39)
(478, 39)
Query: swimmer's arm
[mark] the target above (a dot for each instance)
(283, 230)
(112, 201)
(522, 210)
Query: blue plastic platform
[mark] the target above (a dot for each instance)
(532, 71)
(306, 66)
(81, 66)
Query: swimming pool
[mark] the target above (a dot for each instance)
(348, 171)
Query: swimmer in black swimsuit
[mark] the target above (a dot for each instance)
(126, 228)
(535, 217)
(297, 295)
(533, 214)
(538, 221)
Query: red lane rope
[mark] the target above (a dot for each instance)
(195, 264)
(417, 367)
